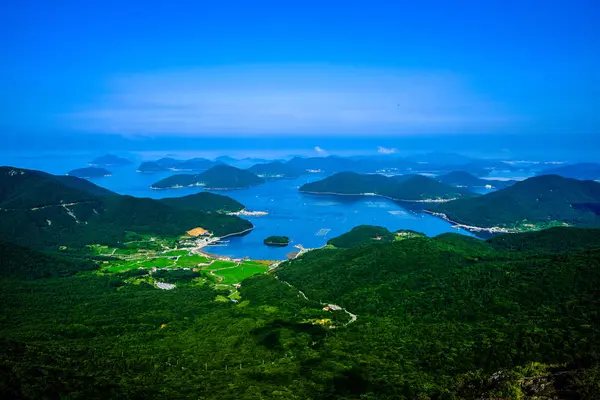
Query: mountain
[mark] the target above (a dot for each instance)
(219, 177)
(204, 201)
(411, 188)
(533, 203)
(89, 172)
(362, 234)
(274, 170)
(41, 210)
(109, 160)
(584, 171)
(465, 179)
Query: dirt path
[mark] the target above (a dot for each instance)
(353, 317)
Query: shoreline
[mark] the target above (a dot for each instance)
(380, 195)
(205, 188)
(493, 229)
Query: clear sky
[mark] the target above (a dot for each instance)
(227, 69)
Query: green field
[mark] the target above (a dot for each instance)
(174, 253)
(238, 274)
(218, 264)
(192, 261)
(157, 262)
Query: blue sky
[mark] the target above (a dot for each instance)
(332, 69)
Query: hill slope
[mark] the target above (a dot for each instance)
(219, 177)
(204, 201)
(89, 172)
(541, 200)
(409, 188)
(38, 209)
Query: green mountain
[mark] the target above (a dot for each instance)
(362, 234)
(402, 187)
(109, 160)
(274, 170)
(543, 200)
(449, 317)
(204, 201)
(40, 210)
(219, 177)
(465, 179)
(89, 172)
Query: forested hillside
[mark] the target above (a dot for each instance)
(449, 317)
(539, 200)
(40, 210)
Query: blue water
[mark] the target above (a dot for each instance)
(309, 220)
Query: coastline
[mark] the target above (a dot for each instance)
(380, 195)
(494, 229)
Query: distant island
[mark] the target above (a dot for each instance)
(89, 172)
(280, 241)
(274, 170)
(219, 177)
(465, 179)
(171, 164)
(533, 204)
(109, 160)
(411, 188)
(584, 171)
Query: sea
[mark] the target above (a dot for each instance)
(308, 220)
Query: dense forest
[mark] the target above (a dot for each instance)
(277, 241)
(449, 317)
(89, 172)
(540, 199)
(362, 234)
(274, 170)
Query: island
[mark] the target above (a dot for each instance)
(533, 204)
(584, 171)
(89, 172)
(219, 177)
(274, 170)
(407, 188)
(279, 241)
(109, 160)
(172, 164)
(465, 179)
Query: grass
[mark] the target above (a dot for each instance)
(218, 264)
(238, 274)
(192, 261)
(156, 262)
(174, 253)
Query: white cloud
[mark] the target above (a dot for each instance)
(280, 100)
(319, 150)
(384, 150)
